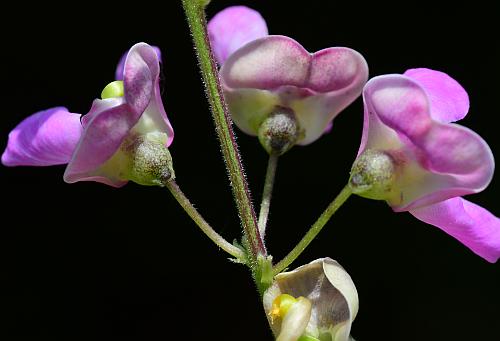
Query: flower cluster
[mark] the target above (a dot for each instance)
(410, 154)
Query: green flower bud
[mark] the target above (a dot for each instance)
(279, 131)
(373, 175)
(150, 161)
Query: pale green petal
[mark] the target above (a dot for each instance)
(295, 320)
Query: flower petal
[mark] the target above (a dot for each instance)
(278, 71)
(45, 138)
(438, 161)
(295, 321)
(111, 121)
(141, 71)
(449, 100)
(232, 28)
(121, 64)
(471, 224)
(341, 280)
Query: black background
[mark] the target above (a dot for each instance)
(89, 261)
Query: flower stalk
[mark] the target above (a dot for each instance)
(314, 230)
(223, 125)
(202, 223)
(267, 193)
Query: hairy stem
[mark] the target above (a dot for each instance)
(314, 230)
(267, 193)
(202, 223)
(223, 125)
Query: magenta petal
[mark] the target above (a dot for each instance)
(275, 61)
(103, 135)
(472, 225)
(121, 63)
(232, 28)
(46, 138)
(140, 74)
(449, 100)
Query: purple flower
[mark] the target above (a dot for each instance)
(412, 156)
(113, 140)
(263, 75)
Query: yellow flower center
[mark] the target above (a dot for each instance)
(281, 305)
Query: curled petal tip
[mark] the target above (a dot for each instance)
(232, 28)
(449, 100)
(121, 63)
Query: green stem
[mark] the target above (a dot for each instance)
(223, 125)
(314, 230)
(267, 193)
(201, 222)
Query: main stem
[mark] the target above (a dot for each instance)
(223, 125)
(202, 223)
(314, 230)
(267, 193)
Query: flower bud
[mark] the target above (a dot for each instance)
(326, 303)
(112, 90)
(150, 161)
(373, 175)
(279, 131)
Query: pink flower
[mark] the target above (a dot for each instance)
(109, 144)
(415, 159)
(262, 75)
